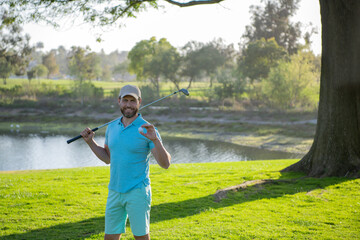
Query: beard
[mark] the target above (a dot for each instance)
(129, 112)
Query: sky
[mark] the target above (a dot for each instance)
(203, 23)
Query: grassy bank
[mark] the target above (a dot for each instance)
(70, 203)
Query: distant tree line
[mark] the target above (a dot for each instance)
(274, 67)
(78, 63)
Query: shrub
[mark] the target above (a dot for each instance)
(292, 84)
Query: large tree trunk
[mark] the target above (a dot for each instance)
(336, 147)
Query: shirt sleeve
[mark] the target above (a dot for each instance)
(106, 136)
(151, 144)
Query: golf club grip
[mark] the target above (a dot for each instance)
(78, 137)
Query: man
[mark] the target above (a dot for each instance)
(128, 143)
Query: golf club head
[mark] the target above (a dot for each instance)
(184, 91)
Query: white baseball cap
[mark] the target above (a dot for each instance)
(130, 90)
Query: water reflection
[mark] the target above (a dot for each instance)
(49, 152)
(193, 151)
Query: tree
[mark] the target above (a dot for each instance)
(151, 60)
(232, 84)
(259, 57)
(211, 59)
(335, 151)
(36, 55)
(97, 12)
(37, 71)
(49, 61)
(121, 70)
(273, 21)
(93, 62)
(83, 65)
(206, 58)
(165, 62)
(106, 73)
(292, 83)
(6, 68)
(191, 61)
(14, 48)
(61, 59)
(137, 57)
(31, 74)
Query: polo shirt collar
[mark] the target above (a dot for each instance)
(137, 121)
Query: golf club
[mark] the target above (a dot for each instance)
(183, 90)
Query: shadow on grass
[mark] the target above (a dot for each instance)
(182, 209)
(77, 230)
(266, 190)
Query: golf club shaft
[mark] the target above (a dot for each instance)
(99, 127)
(158, 100)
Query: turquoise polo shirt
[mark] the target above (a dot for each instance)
(129, 155)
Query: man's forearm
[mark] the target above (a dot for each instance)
(161, 155)
(99, 151)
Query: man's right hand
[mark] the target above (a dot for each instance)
(87, 135)
(103, 153)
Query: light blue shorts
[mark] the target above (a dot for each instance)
(134, 204)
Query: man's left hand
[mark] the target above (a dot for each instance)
(150, 132)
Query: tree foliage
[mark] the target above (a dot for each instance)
(259, 57)
(96, 12)
(191, 64)
(6, 68)
(40, 70)
(14, 48)
(200, 58)
(121, 70)
(84, 65)
(61, 58)
(152, 59)
(273, 21)
(232, 84)
(49, 61)
(293, 83)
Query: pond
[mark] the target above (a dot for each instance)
(26, 152)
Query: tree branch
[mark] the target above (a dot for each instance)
(193, 3)
(127, 9)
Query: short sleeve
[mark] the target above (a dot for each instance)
(106, 136)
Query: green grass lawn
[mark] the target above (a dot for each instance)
(70, 203)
